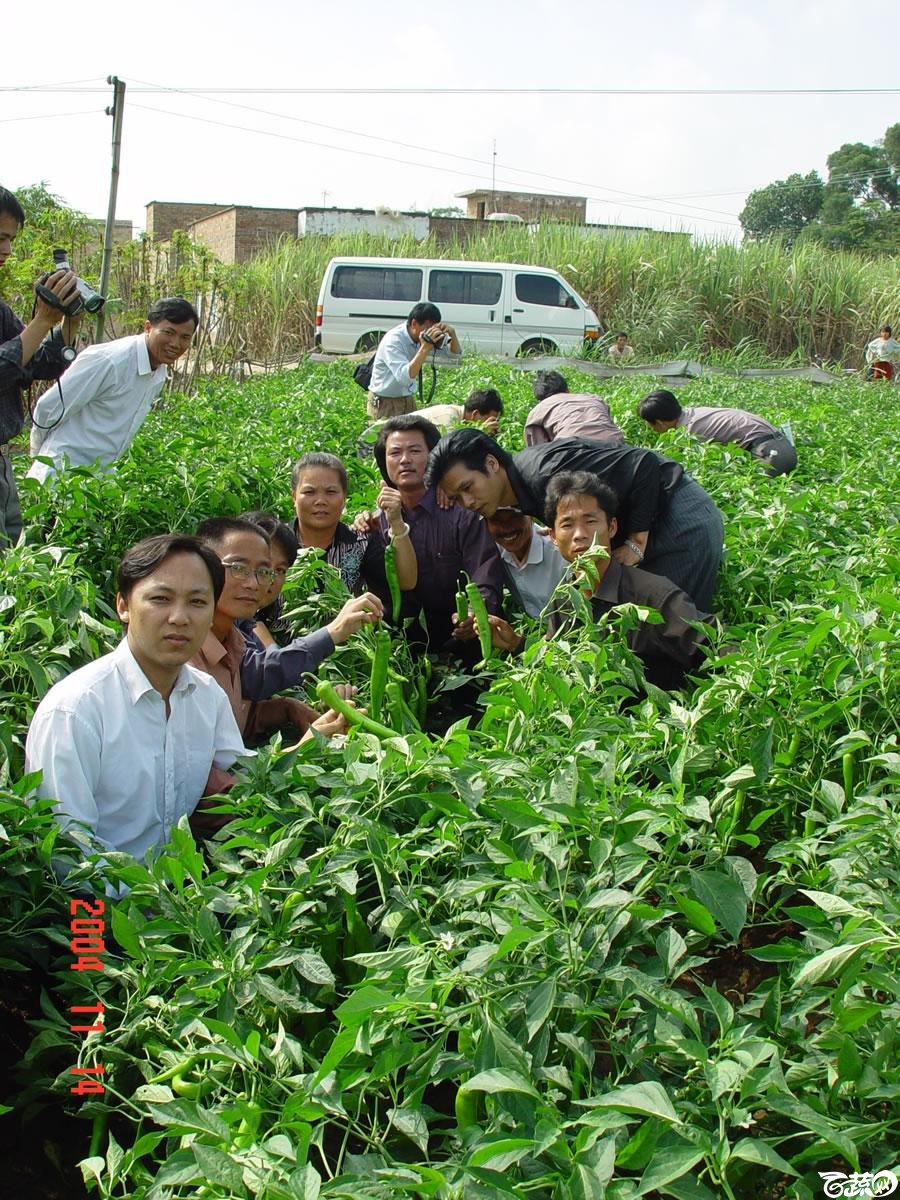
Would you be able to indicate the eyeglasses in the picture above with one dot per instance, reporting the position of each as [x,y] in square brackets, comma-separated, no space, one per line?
[280,572]
[241,571]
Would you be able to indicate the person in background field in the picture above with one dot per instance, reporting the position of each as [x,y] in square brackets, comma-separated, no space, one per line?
[730,426]
[447,541]
[531,561]
[250,674]
[130,743]
[108,392]
[581,512]
[319,486]
[483,408]
[620,352]
[560,413]
[400,357]
[668,524]
[269,625]
[42,349]
[883,355]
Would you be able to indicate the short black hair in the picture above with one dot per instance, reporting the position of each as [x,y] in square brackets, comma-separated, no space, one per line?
[280,535]
[214,530]
[174,309]
[485,400]
[621,333]
[403,423]
[884,329]
[424,312]
[659,406]
[9,204]
[319,458]
[469,446]
[548,383]
[578,483]
[143,559]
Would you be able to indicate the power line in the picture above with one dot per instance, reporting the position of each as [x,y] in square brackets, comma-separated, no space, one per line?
[476,91]
[84,112]
[403,162]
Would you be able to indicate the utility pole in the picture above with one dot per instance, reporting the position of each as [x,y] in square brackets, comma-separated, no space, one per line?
[116,112]
[494,178]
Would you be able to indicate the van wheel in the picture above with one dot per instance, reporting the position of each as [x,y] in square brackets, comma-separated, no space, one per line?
[536,348]
[368,341]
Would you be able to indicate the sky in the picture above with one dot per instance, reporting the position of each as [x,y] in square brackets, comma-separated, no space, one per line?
[670,162]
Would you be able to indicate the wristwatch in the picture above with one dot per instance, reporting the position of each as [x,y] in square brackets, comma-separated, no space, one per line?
[68,354]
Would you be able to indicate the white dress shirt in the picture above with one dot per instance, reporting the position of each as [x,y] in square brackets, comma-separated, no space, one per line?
[102,403]
[883,350]
[112,760]
[535,580]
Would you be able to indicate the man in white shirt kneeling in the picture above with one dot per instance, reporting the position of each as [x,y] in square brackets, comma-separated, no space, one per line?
[95,411]
[128,744]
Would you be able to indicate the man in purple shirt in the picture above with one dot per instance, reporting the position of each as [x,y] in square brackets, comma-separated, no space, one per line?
[730,426]
[560,413]
[447,541]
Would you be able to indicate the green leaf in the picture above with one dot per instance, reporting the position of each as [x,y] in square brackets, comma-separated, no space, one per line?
[499,1079]
[189,1118]
[697,915]
[500,1154]
[218,1167]
[312,966]
[305,1183]
[411,1122]
[669,1163]
[649,1098]
[722,896]
[755,1150]
[830,962]
[540,1005]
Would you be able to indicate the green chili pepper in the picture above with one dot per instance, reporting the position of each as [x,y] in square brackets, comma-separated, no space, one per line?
[466,1108]
[325,691]
[847,765]
[462,605]
[479,608]
[390,570]
[422,696]
[379,675]
[792,749]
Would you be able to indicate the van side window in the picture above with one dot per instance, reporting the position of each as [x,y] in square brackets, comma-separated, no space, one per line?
[377,283]
[464,287]
[543,289]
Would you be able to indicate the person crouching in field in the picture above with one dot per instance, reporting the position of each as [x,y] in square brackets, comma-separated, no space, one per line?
[729,426]
[581,514]
[249,673]
[130,743]
[883,355]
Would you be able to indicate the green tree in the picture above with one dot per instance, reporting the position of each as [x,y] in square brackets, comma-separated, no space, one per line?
[452,211]
[48,223]
[783,208]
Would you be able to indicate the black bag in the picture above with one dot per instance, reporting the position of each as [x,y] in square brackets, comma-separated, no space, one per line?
[363,373]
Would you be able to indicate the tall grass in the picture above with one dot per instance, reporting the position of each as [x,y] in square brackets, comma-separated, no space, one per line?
[676,297]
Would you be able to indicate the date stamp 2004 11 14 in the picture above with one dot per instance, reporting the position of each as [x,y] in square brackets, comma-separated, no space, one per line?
[87,944]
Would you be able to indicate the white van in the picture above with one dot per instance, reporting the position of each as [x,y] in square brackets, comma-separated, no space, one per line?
[496,308]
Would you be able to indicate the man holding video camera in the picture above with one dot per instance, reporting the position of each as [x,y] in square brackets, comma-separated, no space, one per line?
[37,350]
[400,357]
[95,412]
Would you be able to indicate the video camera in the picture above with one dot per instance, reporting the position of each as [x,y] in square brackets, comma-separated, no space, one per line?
[85,298]
[439,339]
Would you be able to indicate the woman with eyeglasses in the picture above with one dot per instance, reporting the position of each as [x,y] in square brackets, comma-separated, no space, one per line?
[269,624]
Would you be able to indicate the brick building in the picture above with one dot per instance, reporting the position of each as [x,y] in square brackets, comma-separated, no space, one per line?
[164,217]
[530,206]
[240,232]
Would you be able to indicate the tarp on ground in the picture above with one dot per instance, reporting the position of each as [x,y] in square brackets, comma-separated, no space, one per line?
[675,373]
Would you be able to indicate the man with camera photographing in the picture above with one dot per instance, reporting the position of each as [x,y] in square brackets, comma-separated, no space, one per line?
[105,398]
[27,352]
[400,357]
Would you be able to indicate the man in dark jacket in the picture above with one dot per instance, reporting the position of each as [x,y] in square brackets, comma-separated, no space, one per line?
[27,352]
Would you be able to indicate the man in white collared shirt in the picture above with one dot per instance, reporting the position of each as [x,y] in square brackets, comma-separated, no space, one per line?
[128,744]
[95,411]
[400,357]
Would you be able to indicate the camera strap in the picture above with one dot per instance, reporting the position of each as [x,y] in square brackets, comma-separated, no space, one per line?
[50,298]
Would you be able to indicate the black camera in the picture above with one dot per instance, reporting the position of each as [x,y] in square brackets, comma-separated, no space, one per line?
[85,297]
[439,339]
